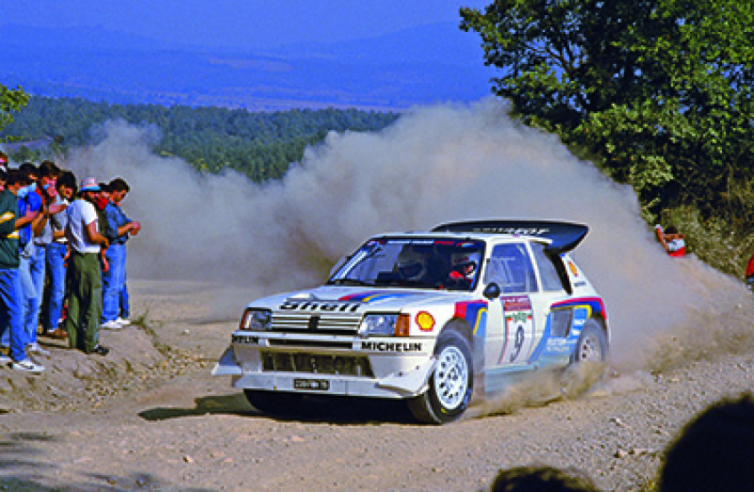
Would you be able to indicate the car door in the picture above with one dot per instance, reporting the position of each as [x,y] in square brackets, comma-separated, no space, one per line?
[513,330]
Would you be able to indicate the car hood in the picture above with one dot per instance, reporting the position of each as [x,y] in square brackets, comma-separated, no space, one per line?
[355,299]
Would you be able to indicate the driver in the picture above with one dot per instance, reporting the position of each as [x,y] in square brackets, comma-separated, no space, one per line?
[463,267]
[411,265]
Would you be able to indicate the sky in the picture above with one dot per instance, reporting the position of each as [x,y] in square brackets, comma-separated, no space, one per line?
[238,23]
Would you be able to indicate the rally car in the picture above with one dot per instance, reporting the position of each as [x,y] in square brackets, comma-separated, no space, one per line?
[432,318]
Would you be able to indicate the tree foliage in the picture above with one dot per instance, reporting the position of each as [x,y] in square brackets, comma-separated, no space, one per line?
[260,145]
[11,100]
[659,91]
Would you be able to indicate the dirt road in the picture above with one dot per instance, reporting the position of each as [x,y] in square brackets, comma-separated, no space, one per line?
[150,417]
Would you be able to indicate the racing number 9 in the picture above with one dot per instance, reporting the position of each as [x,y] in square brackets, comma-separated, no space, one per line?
[518,343]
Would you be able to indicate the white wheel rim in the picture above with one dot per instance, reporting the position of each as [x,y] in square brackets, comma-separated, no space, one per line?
[589,349]
[451,377]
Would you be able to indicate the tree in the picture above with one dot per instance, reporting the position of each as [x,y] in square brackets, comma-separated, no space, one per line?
[660,91]
[11,100]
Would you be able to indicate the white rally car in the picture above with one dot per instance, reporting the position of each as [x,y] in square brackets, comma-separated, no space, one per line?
[429,317]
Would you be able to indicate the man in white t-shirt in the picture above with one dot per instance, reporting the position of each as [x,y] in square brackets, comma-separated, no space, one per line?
[83,277]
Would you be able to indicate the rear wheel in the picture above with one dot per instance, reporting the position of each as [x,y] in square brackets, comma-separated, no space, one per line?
[451,383]
[274,403]
[592,344]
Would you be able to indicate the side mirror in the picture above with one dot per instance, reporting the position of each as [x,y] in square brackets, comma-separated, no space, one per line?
[492,291]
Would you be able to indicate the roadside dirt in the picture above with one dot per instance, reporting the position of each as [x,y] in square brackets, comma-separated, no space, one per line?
[149,416]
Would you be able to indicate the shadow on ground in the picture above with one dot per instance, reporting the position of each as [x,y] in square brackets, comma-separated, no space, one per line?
[23,467]
[314,408]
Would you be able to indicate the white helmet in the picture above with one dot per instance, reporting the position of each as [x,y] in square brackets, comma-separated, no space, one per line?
[465,258]
[410,264]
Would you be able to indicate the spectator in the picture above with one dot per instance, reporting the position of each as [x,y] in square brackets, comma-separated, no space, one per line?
[55,259]
[84,277]
[42,236]
[672,241]
[116,309]
[713,451]
[11,297]
[28,200]
[541,479]
[3,162]
[749,274]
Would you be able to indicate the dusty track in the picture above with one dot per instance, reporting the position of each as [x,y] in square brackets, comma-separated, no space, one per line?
[152,418]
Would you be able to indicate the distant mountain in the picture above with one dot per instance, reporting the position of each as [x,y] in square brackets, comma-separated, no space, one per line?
[423,65]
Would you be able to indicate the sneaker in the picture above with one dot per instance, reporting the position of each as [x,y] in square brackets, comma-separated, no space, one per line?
[111,325]
[5,360]
[27,365]
[123,321]
[99,350]
[36,349]
[57,334]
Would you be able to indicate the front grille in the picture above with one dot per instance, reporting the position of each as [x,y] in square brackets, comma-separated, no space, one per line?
[334,324]
[342,365]
[310,343]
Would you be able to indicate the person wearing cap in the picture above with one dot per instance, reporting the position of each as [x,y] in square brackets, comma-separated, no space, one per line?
[84,277]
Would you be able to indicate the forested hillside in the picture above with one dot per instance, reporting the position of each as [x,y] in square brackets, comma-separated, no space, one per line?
[260,145]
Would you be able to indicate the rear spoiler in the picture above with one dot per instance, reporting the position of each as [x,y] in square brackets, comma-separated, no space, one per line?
[565,236]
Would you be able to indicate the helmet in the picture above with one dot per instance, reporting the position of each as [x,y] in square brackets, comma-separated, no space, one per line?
[463,259]
[411,265]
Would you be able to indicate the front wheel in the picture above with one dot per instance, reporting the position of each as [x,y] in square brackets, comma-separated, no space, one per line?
[451,383]
[274,403]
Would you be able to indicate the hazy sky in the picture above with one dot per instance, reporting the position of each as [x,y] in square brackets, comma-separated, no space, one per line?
[237,23]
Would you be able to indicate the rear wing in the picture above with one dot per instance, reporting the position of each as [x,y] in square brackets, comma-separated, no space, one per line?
[565,236]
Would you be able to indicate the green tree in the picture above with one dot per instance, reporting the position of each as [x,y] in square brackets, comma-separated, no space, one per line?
[11,100]
[659,91]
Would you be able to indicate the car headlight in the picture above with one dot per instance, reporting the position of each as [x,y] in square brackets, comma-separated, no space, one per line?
[256,320]
[385,324]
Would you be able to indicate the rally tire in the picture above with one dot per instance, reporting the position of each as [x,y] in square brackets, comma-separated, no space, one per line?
[451,383]
[592,344]
[273,402]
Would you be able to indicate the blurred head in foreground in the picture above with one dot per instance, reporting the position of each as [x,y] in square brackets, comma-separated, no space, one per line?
[541,479]
[714,451]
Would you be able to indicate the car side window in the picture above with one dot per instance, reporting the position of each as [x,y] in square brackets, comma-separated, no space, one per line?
[548,275]
[510,267]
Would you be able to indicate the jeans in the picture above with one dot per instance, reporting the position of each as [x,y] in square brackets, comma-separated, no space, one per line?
[28,291]
[56,285]
[114,290]
[34,301]
[11,315]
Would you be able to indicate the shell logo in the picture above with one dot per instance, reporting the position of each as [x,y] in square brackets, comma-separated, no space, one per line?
[425,321]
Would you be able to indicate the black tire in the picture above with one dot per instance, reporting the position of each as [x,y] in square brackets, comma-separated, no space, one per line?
[273,402]
[451,383]
[592,344]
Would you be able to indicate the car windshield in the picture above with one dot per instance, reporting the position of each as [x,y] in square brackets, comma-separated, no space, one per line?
[414,263]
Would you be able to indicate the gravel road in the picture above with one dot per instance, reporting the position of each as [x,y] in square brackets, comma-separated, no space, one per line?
[150,417]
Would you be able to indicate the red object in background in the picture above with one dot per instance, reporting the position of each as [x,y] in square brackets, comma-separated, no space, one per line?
[750,267]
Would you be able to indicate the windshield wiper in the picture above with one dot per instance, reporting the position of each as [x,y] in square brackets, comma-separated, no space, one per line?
[349,281]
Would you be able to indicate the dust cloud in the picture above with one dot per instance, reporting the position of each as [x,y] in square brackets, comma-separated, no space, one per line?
[434,164]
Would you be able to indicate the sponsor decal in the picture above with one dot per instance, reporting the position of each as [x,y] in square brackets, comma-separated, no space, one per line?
[327,306]
[372,296]
[573,269]
[519,327]
[392,346]
[516,231]
[425,321]
[475,313]
[245,339]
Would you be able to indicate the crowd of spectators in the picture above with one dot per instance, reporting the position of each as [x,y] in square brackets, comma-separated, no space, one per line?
[62,260]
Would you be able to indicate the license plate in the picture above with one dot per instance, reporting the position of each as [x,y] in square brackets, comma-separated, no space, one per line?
[311,384]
